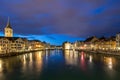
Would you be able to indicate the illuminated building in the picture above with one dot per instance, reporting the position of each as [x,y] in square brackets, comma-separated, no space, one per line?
[90,43]
[11,44]
[94,43]
[8,31]
[118,41]
[8,43]
[67,46]
[35,45]
[107,43]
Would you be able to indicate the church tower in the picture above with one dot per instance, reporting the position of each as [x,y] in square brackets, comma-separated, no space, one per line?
[8,31]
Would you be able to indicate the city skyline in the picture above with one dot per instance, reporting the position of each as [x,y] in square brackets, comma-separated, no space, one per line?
[59,39]
[62,20]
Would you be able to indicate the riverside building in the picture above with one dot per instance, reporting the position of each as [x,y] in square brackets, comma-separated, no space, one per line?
[118,41]
[9,43]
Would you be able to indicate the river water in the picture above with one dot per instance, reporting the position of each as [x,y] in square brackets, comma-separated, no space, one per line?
[60,65]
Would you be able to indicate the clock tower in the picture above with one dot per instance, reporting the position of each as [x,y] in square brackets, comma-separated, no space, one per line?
[8,31]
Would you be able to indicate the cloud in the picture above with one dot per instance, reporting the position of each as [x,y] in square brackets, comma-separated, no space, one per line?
[76,18]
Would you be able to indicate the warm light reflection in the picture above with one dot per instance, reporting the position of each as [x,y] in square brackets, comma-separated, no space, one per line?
[71,57]
[24,59]
[109,62]
[1,66]
[39,60]
[32,64]
[110,65]
[90,59]
[24,62]
[31,57]
[27,61]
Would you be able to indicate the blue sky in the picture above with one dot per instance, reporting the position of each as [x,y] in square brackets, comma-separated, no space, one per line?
[56,21]
[54,39]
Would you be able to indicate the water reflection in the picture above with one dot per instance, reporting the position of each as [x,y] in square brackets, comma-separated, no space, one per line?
[1,69]
[39,61]
[31,59]
[0,65]
[82,61]
[71,57]
[90,58]
[87,61]
[24,63]
[109,61]
[33,64]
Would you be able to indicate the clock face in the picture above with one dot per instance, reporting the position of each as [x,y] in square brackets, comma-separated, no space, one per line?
[9,31]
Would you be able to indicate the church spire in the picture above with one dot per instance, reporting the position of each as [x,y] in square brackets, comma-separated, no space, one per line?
[8,24]
[8,31]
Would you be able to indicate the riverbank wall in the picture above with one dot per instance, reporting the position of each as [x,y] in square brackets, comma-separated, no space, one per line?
[2,55]
[114,53]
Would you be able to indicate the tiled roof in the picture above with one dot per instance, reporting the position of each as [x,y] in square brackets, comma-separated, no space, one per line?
[12,38]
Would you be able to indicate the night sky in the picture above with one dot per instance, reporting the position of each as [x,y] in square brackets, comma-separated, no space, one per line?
[56,21]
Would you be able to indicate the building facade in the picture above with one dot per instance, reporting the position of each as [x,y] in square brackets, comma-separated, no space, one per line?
[9,44]
[8,31]
[67,46]
[93,43]
[118,41]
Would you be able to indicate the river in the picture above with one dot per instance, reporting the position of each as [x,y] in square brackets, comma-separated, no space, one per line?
[60,65]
